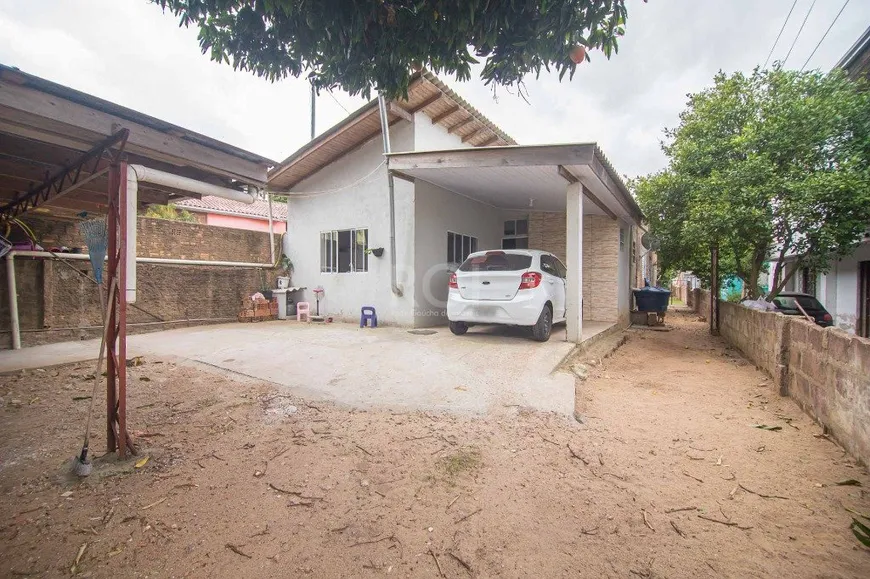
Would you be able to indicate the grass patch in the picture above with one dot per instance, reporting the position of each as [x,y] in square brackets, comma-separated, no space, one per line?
[462,461]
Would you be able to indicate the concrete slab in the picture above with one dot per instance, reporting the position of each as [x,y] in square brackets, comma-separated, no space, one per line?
[489,368]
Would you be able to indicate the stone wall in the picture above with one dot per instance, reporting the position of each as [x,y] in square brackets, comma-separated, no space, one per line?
[825,370]
[57,304]
[547,231]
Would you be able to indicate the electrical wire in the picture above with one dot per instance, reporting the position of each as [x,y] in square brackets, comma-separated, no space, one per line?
[329,92]
[305,194]
[801,29]
[825,35]
[775,42]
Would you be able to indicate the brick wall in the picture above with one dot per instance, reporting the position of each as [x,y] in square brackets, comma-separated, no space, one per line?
[825,370]
[52,296]
[547,231]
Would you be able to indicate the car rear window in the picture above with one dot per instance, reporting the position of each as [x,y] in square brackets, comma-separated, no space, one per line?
[788,302]
[497,261]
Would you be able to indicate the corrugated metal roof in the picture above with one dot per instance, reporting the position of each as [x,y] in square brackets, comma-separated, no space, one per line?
[99,104]
[258,209]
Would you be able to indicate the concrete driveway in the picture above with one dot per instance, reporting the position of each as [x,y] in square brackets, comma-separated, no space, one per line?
[488,369]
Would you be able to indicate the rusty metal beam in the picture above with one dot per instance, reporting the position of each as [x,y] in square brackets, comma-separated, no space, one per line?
[67,178]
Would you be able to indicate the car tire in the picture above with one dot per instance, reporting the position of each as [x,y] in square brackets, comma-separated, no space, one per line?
[458,328]
[541,330]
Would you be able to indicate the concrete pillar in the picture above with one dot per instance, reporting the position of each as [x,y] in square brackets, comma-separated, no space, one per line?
[574,257]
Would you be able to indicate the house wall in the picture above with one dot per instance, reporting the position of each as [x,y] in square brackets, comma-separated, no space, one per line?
[825,370]
[431,137]
[624,275]
[347,194]
[438,211]
[842,289]
[251,224]
[53,297]
[602,267]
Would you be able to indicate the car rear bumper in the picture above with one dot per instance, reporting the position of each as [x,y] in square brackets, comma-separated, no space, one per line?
[522,310]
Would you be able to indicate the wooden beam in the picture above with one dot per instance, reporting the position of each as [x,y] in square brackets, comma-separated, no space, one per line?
[145,140]
[473,134]
[403,176]
[487,142]
[441,116]
[431,100]
[571,178]
[400,112]
[460,124]
[534,155]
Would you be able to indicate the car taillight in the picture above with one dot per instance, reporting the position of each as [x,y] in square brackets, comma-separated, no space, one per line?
[530,280]
[827,318]
[452,283]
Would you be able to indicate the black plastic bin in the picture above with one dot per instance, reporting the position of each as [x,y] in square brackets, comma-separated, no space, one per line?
[652,299]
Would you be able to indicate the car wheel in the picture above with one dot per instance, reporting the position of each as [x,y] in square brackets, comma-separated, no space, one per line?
[541,330]
[458,328]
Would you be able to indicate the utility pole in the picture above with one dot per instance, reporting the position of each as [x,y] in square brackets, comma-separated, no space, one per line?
[313,102]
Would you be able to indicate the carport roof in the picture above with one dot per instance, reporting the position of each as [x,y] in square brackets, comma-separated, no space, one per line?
[523,177]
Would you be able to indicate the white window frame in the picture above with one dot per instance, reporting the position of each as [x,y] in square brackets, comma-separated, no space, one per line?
[473,244]
[332,236]
[516,235]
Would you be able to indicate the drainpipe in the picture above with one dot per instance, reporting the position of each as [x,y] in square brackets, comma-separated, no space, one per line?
[271,229]
[13,301]
[385,132]
[140,173]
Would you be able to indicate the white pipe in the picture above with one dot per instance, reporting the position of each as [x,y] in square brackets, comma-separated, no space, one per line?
[271,229]
[137,173]
[158,260]
[149,175]
[385,132]
[13,301]
[132,228]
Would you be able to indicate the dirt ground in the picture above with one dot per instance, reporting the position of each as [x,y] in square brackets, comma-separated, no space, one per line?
[667,477]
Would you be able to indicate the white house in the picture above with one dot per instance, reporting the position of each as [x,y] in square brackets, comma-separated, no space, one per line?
[460,184]
[845,289]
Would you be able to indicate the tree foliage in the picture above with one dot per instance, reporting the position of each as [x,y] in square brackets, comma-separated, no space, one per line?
[772,164]
[358,45]
[170,211]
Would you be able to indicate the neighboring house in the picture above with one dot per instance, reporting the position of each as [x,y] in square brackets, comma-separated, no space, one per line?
[845,289]
[461,184]
[228,213]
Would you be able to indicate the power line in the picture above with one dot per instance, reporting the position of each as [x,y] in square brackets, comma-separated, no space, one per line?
[329,92]
[798,35]
[775,42]
[825,35]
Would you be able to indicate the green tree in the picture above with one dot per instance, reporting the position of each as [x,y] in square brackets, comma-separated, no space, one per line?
[358,45]
[767,165]
[169,211]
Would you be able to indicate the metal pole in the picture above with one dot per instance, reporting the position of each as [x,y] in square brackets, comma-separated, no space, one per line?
[313,105]
[385,133]
[122,312]
[13,301]
[112,333]
[271,229]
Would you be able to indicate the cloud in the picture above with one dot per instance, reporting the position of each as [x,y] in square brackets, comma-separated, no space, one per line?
[131,53]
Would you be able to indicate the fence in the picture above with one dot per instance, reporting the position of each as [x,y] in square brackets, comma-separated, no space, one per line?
[825,370]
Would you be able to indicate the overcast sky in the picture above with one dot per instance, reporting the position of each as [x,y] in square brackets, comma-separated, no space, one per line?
[131,53]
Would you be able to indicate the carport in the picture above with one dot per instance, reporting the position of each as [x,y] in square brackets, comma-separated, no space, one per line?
[69,156]
[574,178]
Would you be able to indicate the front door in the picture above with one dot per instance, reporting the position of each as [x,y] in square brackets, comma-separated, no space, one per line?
[864,299]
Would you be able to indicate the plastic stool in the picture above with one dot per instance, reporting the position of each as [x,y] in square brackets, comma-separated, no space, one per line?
[368,313]
[303,309]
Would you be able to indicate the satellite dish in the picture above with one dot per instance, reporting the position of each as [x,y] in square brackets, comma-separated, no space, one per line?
[650,242]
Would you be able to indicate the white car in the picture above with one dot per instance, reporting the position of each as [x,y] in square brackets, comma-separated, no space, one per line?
[518,287]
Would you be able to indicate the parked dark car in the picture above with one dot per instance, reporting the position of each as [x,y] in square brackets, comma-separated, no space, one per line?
[786,303]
